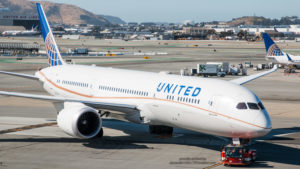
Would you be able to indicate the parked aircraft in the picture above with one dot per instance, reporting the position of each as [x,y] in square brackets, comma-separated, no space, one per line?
[31,32]
[275,54]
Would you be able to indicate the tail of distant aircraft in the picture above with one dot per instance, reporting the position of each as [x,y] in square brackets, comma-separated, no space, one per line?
[54,57]
[271,48]
[34,28]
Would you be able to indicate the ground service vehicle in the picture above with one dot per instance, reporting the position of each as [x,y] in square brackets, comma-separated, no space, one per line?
[238,155]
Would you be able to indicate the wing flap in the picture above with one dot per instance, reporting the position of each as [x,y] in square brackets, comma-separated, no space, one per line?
[247,79]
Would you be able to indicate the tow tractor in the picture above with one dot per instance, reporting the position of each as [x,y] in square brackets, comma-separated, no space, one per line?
[237,154]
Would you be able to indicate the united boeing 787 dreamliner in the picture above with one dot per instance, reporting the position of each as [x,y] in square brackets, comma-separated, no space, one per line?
[83,95]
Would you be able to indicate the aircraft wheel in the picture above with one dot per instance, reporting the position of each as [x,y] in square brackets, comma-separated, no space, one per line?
[152,129]
[156,129]
[100,134]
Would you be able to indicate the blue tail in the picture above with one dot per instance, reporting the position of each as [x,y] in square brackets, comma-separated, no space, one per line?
[54,57]
[271,48]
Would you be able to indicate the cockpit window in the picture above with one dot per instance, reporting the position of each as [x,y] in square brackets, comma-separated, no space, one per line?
[241,105]
[253,106]
[261,105]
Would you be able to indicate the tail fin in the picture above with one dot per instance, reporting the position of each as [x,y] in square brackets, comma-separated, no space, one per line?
[271,48]
[54,57]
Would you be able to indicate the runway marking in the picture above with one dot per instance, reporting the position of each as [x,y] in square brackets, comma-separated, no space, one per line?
[214,165]
[27,128]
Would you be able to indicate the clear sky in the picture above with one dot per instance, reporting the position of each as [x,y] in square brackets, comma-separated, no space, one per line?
[181,10]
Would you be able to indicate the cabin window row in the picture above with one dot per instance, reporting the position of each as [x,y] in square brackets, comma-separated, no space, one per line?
[73,83]
[170,97]
[121,90]
[184,99]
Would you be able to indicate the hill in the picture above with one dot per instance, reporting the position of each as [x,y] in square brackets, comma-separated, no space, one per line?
[247,20]
[56,13]
[113,19]
[259,20]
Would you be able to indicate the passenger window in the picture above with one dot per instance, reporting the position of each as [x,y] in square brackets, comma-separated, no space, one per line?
[241,105]
[253,106]
[261,106]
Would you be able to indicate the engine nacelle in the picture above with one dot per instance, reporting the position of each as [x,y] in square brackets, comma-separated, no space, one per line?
[79,120]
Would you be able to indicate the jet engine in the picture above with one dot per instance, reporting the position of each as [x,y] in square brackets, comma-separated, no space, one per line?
[79,120]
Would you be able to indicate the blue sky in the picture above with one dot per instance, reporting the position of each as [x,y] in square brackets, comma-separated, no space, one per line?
[179,11]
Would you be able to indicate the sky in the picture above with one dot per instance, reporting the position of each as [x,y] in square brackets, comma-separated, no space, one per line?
[178,11]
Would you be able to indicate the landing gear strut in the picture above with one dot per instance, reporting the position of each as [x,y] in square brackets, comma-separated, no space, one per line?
[160,130]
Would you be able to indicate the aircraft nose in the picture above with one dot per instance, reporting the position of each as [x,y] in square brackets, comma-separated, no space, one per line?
[263,121]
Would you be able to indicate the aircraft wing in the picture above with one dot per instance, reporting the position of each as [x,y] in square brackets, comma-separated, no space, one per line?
[92,103]
[20,75]
[247,79]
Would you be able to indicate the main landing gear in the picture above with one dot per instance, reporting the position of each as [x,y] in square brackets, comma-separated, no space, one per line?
[100,134]
[160,130]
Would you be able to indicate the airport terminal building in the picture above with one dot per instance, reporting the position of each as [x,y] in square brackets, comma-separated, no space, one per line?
[27,21]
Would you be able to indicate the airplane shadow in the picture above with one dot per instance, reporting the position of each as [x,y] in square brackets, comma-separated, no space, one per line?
[136,137]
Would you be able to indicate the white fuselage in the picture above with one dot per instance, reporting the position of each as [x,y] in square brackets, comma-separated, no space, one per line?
[198,104]
[283,59]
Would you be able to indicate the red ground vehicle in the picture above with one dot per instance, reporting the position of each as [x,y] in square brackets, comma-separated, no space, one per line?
[238,155]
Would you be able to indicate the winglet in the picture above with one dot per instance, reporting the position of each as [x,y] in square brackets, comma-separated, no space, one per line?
[271,48]
[54,57]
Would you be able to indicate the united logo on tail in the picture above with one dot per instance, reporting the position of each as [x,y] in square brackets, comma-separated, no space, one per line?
[271,48]
[53,54]
[274,50]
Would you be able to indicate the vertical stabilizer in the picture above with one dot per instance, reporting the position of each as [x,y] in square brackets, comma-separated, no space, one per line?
[271,48]
[53,54]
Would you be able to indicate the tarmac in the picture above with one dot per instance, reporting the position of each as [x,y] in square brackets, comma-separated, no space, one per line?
[30,138]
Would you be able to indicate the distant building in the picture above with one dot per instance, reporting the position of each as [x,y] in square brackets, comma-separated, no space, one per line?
[27,21]
[232,29]
[295,29]
[148,24]
[195,30]
[15,28]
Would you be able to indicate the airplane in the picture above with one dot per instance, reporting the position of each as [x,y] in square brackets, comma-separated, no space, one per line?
[84,95]
[275,54]
[31,32]
[11,33]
